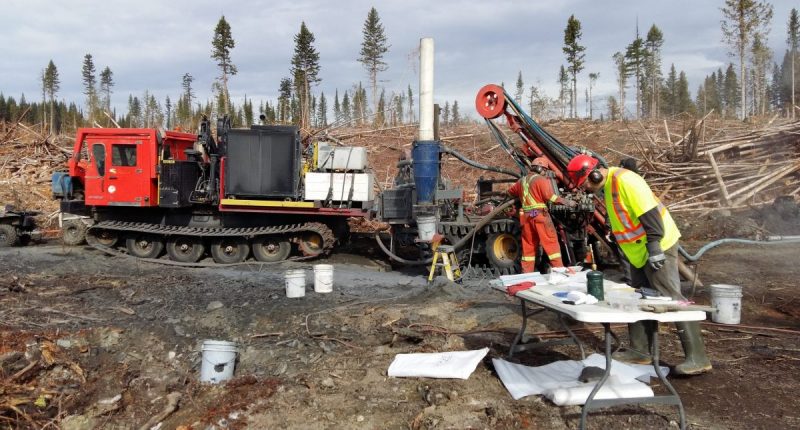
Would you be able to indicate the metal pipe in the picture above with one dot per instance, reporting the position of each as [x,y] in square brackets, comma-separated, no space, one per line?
[425,89]
[477,165]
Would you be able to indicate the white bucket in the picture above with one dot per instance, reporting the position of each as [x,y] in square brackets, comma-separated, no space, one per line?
[219,359]
[323,278]
[427,228]
[727,299]
[295,283]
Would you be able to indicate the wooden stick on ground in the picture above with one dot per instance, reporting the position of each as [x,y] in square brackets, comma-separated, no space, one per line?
[725,198]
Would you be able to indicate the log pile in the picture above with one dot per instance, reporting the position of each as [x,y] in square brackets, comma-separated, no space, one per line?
[730,168]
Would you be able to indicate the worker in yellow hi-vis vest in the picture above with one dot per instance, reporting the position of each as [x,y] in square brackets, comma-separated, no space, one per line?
[648,237]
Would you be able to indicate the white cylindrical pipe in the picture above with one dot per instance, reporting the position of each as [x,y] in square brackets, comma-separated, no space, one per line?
[425,89]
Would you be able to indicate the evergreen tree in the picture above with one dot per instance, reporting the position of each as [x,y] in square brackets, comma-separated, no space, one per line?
[652,72]
[520,89]
[373,48]
[346,109]
[742,21]
[575,57]
[52,84]
[89,86]
[455,114]
[684,99]
[337,107]
[621,70]
[305,70]
[635,55]
[776,101]
[247,112]
[563,82]
[411,118]
[380,113]
[284,100]
[168,107]
[670,92]
[731,95]
[322,111]
[613,108]
[399,108]
[592,80]
[446,114]
[221,45]
[793,39]
[106,83]
[760,55]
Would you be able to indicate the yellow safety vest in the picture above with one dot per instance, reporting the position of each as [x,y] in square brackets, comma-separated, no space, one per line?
[627,196]
[528,202]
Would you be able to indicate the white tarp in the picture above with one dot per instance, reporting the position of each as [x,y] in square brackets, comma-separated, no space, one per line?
[559,380]
[455,364]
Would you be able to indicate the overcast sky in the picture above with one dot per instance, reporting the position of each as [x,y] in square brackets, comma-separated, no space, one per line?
[150,44]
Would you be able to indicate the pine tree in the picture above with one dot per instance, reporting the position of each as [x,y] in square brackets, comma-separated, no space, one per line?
[89,86]
[446,114]
[731,95]
[411,117]
[635,55]
[760,56]
[621,69]
[305,71]
[613,108]
[106,83]
[684,99]
[337,107]
[322,111]
[563,82]
[575,57]
[520,89]
[247,112]
[221,46]
[52,84]
[652,45]
[168,107]
[380,112]
[346,109]
[670,97]
[373,48]
[592,80]
[743,20]
[793,39]
[456,115]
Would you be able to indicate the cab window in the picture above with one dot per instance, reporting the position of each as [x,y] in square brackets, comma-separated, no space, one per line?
[123,155]
[99,155]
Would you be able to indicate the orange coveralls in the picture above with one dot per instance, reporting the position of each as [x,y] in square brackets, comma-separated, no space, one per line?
[534,191]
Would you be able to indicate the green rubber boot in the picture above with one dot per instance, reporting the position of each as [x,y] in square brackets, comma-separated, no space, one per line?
[692,341]
[637,352]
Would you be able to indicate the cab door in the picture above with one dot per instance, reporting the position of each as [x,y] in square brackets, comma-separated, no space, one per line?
[127,181]
[94,185]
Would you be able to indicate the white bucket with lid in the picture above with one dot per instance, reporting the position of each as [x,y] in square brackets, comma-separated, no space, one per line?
[295,283]
[426,225]
[219,359]
[323,278]
[727,299]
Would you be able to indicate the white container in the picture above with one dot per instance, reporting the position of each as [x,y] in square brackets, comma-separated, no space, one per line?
[295,283]
[426,225]
[219,359]
[323,278]
[318,186]
[341,157]
[727,299]
[627,301]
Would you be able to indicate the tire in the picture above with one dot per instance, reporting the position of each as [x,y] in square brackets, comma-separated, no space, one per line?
[185,249]
[108,238]
[25,239]
[310,244]
[269,249]
[503,251]
[144,245]
[8,235]
[227,250]
[73,232]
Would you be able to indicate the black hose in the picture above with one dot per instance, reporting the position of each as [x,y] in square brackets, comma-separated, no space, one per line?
[477,165]
[485,220]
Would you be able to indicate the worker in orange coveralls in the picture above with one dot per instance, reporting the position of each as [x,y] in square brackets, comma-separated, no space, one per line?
[535,191]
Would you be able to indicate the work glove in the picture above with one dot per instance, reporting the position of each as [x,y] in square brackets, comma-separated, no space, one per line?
[656,258]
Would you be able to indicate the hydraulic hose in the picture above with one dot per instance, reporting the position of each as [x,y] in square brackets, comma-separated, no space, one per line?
[771,240]
[485,220]
[477,165]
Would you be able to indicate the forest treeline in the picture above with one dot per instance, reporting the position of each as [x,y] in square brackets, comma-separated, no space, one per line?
[754,83]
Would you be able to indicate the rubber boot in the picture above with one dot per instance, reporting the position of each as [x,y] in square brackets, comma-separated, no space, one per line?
[692,341]
[637,352]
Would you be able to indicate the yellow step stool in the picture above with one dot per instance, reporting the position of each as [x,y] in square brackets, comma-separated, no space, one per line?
[449,262]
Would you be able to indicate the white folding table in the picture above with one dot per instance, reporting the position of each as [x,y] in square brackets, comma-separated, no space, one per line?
[601,313]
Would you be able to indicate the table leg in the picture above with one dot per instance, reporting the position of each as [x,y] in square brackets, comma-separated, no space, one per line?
[521,332]
[587,405]
[662,378]
[571,334]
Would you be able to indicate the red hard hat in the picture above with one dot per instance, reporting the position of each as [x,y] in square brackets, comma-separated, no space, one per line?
[579,168]
[539,161]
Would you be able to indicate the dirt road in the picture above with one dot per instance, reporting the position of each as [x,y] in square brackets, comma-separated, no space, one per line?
[109,339]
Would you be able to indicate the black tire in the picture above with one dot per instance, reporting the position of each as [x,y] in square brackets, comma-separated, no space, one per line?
[503,251]
[227,250]
[311,244]
[186,249]
[8,235]
[108,238]
[269,249]
[142,245]
[73,232]
[25,239]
